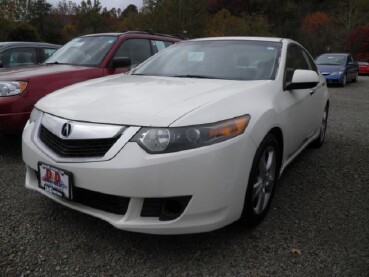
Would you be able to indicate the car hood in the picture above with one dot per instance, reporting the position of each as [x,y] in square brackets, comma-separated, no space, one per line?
[144,100]
[28,72]
[330,68]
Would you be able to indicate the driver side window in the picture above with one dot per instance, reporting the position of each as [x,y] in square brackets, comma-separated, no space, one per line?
[137,50]
[294,60]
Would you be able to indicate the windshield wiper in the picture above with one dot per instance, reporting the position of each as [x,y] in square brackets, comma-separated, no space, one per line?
[328,64]
[56,62]
[196,76]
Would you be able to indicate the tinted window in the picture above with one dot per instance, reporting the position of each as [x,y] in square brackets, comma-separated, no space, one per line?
[158,45]
[46,53]
[310,61]
[18,57]
[294,60]
[137,50]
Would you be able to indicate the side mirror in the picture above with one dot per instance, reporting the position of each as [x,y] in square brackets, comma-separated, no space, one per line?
[303,79]
[120,62]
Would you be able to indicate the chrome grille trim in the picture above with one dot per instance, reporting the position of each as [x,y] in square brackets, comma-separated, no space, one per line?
[83,130]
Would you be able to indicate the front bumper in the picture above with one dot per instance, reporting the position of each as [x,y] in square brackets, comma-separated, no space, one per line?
[334,79]
[215,178]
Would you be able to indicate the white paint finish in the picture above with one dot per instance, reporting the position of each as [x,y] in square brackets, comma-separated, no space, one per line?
[216,176]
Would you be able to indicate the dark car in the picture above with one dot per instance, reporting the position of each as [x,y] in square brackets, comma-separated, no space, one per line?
[14,54]
[338,68]
[81,59]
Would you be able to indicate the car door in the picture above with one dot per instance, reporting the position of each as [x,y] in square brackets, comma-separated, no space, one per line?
[297,105]
[351,68]
[316,101]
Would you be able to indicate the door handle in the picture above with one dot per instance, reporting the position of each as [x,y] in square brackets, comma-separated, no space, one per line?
[312,91]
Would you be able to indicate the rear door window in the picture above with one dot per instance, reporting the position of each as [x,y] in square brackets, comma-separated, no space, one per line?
[19,57]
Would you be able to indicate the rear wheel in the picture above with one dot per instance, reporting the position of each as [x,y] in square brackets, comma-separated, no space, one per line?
[261,183]
[355,79]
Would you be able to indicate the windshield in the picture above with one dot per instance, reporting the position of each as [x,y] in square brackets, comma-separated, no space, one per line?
[86,51]
[332,59]
[220,59]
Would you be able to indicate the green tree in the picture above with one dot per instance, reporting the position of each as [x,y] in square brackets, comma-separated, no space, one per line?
[88,19]
[37,13]
[130,9]
[176,16]
[223,23]
[23,32]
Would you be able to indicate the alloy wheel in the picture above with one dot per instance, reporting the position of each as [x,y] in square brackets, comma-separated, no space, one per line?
[265,179]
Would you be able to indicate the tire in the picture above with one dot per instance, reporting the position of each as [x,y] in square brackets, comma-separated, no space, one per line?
[355,79]
[319,141]
[344,80]
[261,183]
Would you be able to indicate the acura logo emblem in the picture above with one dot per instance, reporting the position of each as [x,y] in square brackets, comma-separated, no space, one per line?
[66,130]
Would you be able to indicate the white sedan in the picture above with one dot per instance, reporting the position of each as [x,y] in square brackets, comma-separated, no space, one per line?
[191,140]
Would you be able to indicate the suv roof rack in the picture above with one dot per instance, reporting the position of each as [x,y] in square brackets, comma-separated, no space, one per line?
[151,32]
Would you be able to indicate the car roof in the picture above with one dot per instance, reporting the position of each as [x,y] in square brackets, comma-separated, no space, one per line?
[271,39]
[26,43]
[344,54]
[118,34]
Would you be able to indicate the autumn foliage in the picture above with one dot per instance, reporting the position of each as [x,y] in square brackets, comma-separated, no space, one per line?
[358,43]
[317,30]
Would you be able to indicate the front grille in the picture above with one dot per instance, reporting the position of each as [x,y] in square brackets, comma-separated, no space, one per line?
[76,148]
[106,202]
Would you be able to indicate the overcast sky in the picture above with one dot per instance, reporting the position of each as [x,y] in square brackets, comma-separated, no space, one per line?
[109,4]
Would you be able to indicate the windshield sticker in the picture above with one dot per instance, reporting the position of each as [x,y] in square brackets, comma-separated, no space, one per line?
[196,56]
[78,44]
[271,48]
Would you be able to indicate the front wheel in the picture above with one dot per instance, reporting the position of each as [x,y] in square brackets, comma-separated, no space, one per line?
[344,80]
[319,141]
[261,183]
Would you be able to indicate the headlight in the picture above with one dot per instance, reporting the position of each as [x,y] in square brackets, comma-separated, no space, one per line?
[12,88]
[337,73]
[166,140]
[34,115]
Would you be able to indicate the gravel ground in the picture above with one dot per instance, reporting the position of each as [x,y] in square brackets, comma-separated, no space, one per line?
[318,224]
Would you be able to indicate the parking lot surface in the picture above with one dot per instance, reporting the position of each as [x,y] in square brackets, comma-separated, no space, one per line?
[318,224]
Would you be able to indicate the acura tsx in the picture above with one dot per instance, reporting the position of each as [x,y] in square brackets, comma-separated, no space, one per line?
[191,140]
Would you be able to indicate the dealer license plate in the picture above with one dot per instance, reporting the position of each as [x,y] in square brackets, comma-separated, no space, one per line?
[55,180]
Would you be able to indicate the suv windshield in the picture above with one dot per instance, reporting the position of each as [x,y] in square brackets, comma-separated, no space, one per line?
[216,59]
[332,59]
[86,51]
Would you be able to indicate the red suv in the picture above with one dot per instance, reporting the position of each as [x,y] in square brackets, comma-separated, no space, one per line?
[81,59]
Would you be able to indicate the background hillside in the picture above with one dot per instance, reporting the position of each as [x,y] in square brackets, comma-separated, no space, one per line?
[320,25]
